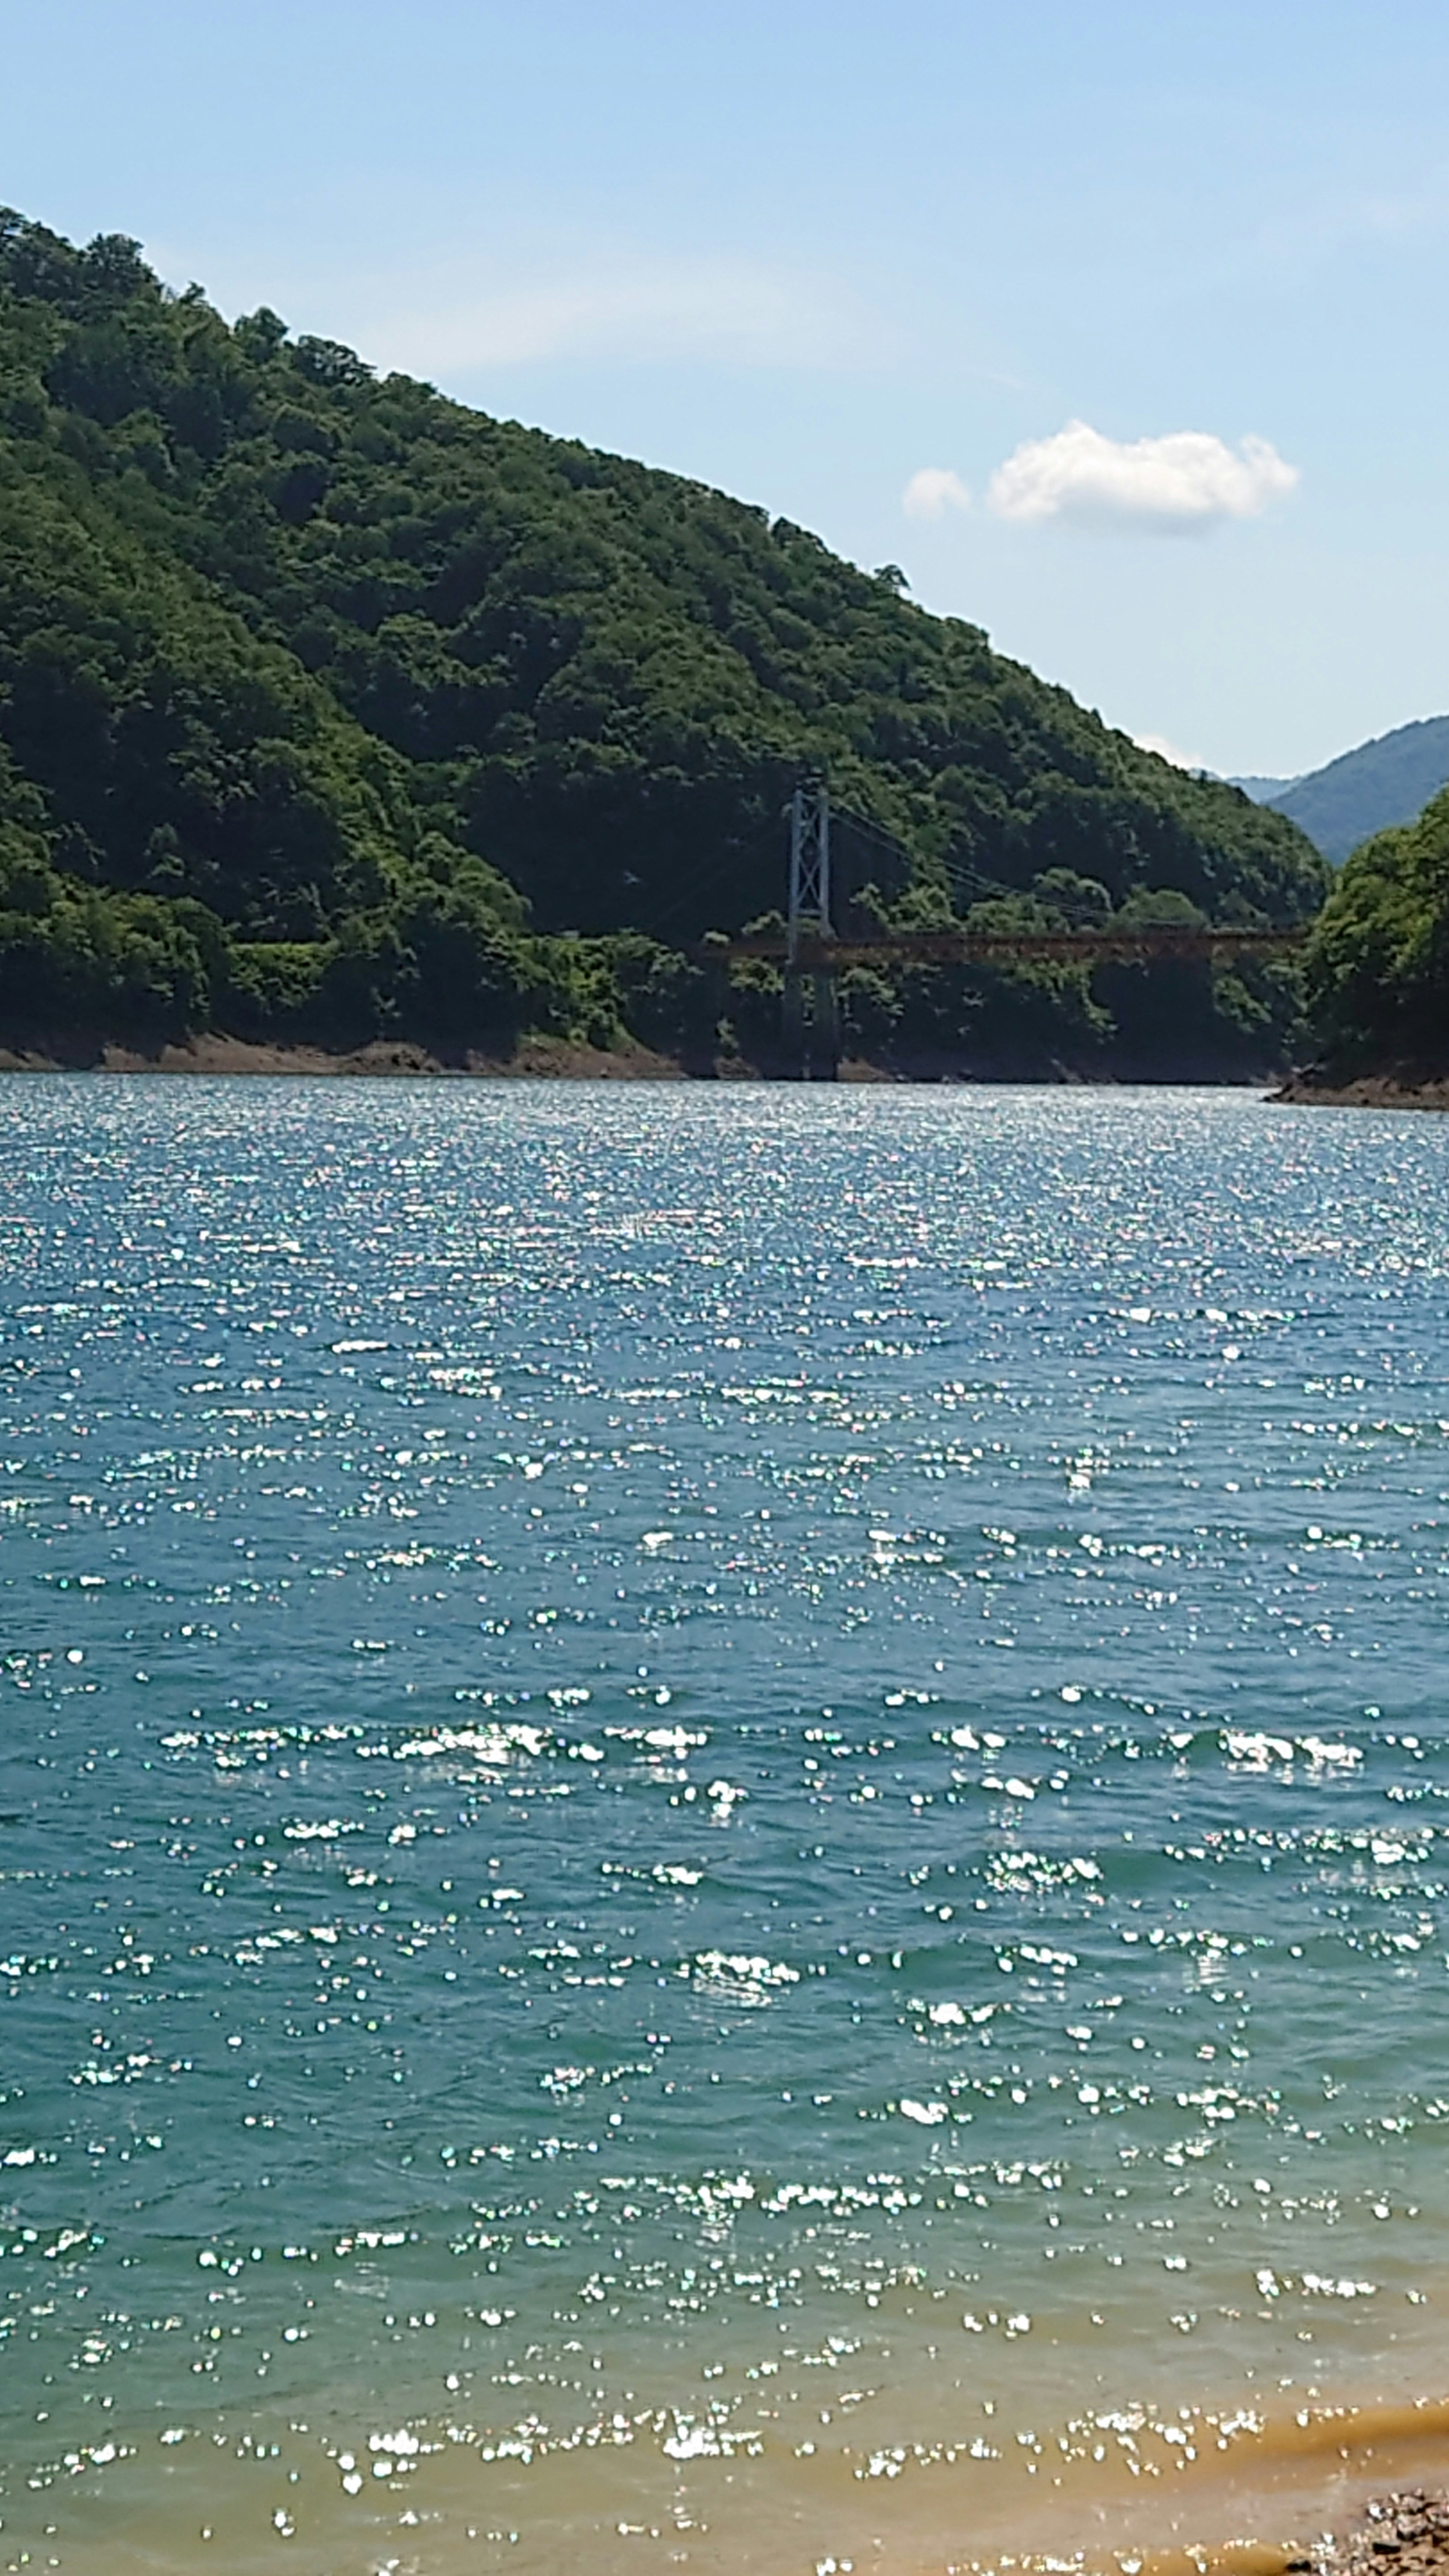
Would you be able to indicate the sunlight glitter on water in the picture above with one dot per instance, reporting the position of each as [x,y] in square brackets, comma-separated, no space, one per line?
[721,1821]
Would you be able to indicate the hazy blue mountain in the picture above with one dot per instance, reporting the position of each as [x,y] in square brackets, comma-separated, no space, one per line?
[1264,791]
[1389,780]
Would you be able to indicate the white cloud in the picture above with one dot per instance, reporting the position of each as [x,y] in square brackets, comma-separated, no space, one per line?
[1187,480]
[933,491]
[1166,750]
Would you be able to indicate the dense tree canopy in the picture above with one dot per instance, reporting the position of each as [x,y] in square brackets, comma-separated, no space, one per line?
[1378,968]
[329,707]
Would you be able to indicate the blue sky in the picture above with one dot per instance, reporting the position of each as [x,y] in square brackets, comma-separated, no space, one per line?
[815,253]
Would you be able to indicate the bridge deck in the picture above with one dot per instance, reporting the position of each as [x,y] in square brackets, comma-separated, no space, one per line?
[816,954]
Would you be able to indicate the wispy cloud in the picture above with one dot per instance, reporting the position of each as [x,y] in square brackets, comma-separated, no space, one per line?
[933,491]
[611,303]
[1186,481]
[1166,750]
[727,310]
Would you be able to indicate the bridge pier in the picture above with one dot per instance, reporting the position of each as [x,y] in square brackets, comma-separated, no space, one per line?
[810,1023]
[810,1002]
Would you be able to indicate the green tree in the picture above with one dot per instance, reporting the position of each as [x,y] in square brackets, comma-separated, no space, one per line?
[452,716]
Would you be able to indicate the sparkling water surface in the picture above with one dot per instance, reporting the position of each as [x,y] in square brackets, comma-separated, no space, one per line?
[721,1838]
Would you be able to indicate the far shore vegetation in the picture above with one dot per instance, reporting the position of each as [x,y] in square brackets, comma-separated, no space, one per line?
[334,715]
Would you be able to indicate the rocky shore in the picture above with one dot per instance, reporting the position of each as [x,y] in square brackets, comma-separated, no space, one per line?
[1405,2534]
[1396,1090]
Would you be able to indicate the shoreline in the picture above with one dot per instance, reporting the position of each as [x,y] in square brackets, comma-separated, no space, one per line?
[1406,2531]
[565,1059]
[216,1053]
[1398,1090]
[534,1059]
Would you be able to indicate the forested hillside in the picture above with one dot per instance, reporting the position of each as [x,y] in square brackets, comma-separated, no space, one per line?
[1378,968]
[330,709]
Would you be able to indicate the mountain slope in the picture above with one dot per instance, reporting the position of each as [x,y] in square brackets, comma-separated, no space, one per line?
[353,703]
[1379,784]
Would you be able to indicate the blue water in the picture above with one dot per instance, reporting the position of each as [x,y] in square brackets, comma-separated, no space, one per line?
[721,1837]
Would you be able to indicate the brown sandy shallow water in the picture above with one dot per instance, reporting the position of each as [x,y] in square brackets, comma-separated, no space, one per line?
[1342,2492]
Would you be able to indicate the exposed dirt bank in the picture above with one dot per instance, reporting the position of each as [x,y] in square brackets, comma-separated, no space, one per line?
[549,1058]
[1402,1090]
[218,1054]
[534,1058]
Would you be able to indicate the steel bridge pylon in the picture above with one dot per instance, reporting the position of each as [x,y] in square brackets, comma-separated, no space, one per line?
[810,1001]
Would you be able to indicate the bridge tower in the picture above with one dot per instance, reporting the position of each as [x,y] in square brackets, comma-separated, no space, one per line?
[811,1002]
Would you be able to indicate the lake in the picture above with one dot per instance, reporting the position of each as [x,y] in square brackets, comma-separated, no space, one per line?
[722,1838]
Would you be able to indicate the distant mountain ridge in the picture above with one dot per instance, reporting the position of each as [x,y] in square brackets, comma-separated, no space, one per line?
[1389,780]
[1264,790]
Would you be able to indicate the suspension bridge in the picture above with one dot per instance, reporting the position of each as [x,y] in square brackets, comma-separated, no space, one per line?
[814,947]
